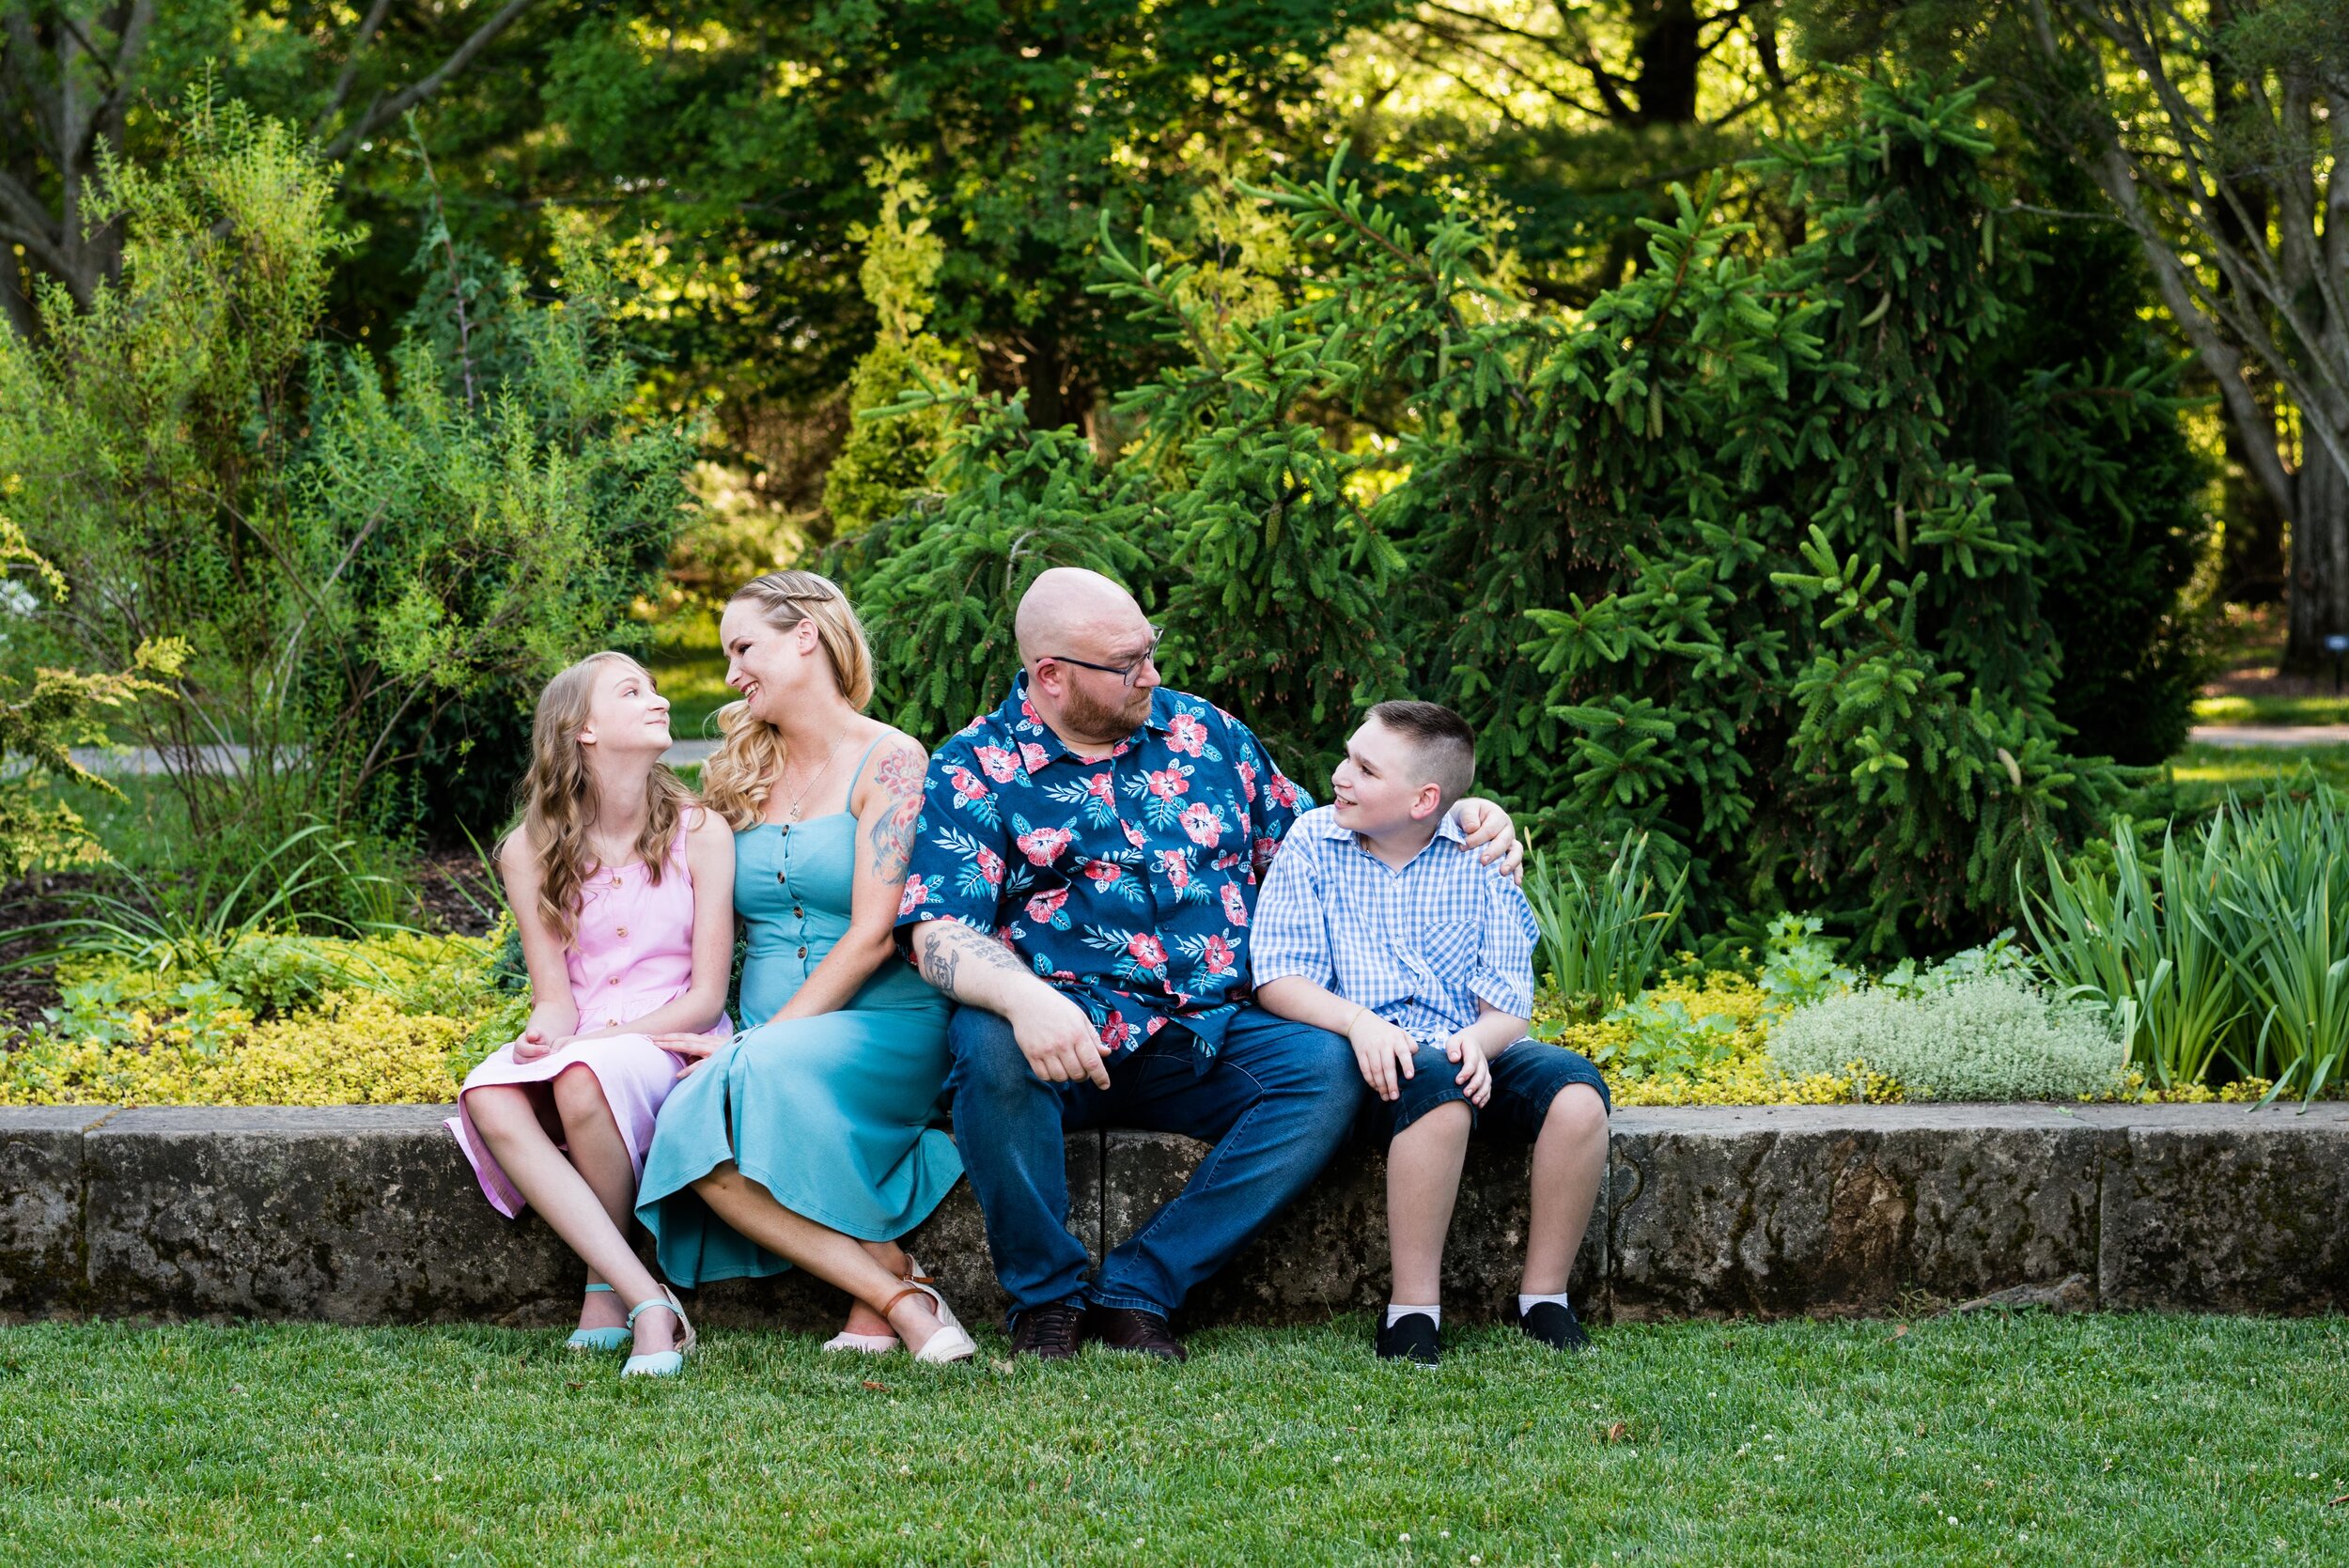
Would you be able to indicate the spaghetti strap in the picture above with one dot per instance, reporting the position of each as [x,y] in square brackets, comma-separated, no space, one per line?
[860,766]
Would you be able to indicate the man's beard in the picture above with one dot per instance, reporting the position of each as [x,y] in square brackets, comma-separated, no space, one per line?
[1101,720]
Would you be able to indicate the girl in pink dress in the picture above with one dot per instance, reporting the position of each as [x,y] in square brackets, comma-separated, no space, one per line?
[623,888]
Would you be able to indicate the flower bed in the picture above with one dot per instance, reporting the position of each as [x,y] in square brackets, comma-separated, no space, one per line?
[282,1020]
[305,1021]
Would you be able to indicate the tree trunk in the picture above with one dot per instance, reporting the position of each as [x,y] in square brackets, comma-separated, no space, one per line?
[2252,562]
[2319,597]
[1670,52]
[16,303]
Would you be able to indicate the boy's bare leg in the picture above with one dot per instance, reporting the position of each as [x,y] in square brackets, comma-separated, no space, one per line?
[1423,1184]
[1569,1158]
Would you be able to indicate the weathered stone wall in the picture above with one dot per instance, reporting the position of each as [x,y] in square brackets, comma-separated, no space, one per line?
[369,1215]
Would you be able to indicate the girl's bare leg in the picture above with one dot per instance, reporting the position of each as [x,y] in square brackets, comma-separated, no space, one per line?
[600,1155]
[509,1124]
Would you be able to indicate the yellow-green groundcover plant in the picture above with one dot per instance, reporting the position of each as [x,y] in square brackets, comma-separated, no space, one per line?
[391,1020]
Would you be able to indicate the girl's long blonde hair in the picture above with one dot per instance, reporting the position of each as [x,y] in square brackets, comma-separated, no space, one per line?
[559,804]
[736,781]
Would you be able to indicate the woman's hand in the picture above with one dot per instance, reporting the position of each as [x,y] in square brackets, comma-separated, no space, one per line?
[699,1046]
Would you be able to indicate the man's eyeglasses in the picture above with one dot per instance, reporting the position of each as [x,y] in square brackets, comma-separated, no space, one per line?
[1127,673]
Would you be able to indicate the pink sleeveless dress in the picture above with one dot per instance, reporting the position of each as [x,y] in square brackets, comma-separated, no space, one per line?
[634,953]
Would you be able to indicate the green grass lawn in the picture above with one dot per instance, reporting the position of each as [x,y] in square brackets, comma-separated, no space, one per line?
[2203,775]
[1981,1440]
[2272,711]
[691,673]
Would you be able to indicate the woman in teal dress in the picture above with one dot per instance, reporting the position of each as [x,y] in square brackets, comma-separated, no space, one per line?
[806,1141]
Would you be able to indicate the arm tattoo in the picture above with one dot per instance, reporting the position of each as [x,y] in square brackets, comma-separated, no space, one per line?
[899,776]
[949,943]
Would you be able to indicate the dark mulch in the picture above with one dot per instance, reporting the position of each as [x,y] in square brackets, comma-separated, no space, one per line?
[459,894]
[24,906]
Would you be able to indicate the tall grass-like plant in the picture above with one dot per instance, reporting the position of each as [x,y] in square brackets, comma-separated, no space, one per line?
[2234,941]
[2146,945]
[198,928]
[1602,941]
[2285,911]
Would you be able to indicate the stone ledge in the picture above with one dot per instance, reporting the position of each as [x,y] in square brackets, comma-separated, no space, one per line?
[368,1214]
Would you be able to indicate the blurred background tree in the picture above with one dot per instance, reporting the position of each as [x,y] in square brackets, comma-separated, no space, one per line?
[799,213]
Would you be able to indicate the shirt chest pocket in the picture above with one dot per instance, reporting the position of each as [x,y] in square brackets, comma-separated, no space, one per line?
[1449,948]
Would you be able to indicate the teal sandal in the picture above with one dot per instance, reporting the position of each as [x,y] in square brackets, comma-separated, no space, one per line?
[661,1363]
[604,1340]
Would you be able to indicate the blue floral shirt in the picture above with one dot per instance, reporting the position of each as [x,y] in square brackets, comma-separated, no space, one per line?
[1125,882]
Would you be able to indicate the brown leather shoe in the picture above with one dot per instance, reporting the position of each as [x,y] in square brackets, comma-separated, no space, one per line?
[1132,1328]
[1049,1333]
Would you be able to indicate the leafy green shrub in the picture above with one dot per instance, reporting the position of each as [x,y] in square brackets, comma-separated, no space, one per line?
[358,554]
[397,1018]
[1989,1035]
[1798,962]
[43,714]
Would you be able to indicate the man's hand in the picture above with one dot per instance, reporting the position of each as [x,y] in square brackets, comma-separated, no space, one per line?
[1488,830]
[1382,1050]
[1059,1041]
[1476,1077]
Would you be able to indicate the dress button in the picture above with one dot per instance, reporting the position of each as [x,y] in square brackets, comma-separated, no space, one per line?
[797,911]
[611,1023]
[615,980]
[803,952]
[623,931]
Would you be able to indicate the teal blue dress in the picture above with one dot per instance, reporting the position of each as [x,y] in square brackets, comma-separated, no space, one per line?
[830,1113]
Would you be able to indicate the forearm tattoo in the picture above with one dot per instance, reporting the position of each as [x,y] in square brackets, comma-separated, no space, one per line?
[899,776]
[949,944]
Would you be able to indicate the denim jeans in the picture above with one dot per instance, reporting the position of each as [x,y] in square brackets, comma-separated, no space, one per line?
[1277,1102]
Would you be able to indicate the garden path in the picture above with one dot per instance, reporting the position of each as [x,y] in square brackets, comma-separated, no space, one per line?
[2269,735]
[144,761]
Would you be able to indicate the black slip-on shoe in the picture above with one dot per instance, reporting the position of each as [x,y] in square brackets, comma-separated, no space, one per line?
[1553,1324]
[1049,1333]
[1412,1337]
[1133,1328]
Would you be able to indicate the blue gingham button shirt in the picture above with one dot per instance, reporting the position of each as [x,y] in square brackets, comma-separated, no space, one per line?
[1420,946]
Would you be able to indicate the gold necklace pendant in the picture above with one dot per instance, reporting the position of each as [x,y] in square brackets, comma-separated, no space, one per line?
[791,813]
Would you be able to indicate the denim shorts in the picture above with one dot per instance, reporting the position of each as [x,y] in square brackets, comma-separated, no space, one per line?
[1526,1078]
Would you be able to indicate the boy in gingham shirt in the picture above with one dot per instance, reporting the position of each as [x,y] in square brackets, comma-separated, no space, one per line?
[1423,959]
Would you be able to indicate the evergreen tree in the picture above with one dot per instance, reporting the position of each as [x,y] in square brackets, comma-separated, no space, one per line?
[1723,556]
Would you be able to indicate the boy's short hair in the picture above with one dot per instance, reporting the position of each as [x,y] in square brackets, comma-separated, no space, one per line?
[1445,745]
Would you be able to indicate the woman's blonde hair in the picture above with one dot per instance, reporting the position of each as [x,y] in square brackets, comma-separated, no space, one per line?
[736,781]
[558,796]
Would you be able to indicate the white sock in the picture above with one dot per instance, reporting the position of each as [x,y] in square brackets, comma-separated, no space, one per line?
[1527,1303]
[1395,1313]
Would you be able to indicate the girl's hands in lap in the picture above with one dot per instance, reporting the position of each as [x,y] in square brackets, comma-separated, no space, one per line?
[537,1042]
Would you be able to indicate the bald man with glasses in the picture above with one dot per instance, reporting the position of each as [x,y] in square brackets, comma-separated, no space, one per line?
[1081,883]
